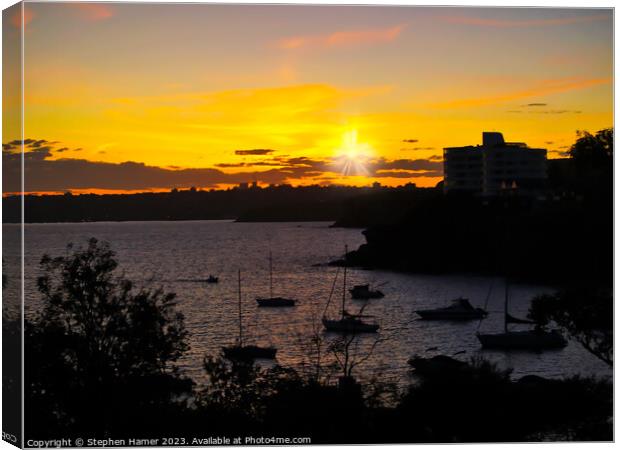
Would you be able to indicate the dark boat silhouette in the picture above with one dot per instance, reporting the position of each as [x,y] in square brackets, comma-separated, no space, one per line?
[350,323]
[363,292]
[536,339]
[249,352]
[460,309]
[241,352]
[271,301]
[347,323]
[275,302]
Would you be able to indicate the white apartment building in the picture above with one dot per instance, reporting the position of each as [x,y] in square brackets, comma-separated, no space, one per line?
[495,167]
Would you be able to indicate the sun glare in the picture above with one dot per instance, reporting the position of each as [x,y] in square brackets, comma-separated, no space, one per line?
[352,155]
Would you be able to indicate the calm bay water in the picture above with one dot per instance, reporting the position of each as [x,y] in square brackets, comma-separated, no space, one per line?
[175,255]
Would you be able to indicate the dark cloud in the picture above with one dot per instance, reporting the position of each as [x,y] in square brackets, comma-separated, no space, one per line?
[410,141]
[44,174]
[255,151]
[268,163]
[226,165]
[548,111]
[38,154]
[415,149]
[561,111]
[407,174]
[39,143]
[548,142]
[33,143]
[265,164]
[536,104]
[413,165]
[435,158]
[63,149]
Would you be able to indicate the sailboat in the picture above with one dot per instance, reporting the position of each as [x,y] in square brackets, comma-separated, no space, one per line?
[534,339]
[347,323]
[240,352]
[272,301]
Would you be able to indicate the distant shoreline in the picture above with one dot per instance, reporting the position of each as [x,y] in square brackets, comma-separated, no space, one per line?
[84,222]
[278,204]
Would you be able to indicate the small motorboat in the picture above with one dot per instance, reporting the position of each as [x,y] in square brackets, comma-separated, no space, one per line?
[536,340]
[460,309]
[275,302]
[363,292]
[213,279]
[349,323]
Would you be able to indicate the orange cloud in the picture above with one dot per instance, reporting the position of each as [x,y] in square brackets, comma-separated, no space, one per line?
[16,20]
[544,88]
[342,38]
[499,23]
[94,11]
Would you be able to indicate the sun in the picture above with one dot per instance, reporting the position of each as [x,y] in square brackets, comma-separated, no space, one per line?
[352,155]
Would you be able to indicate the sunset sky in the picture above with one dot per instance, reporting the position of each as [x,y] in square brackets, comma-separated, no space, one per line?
[148,97]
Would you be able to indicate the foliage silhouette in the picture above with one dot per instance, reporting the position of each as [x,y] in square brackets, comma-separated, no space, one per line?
[100,349]
[585,314]
[593,150]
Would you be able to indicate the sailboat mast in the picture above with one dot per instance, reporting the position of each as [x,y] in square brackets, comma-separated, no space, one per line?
[344,279]
[240,326]
[506,307]
[270,275]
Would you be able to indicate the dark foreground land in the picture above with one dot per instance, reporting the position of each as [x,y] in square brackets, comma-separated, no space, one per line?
[100,364]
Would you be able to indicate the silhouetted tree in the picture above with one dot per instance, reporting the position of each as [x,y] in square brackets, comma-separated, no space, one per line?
[478,402]
[585,314]
[100,350]
[593,150]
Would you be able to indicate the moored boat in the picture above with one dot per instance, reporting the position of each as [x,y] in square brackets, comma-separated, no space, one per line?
[275,301]
[363,292]
[347,323]
[241,352]
[536,339]
[271,301]
[460,309]
[249,352]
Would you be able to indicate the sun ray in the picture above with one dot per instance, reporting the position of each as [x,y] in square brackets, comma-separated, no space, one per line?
[353,156]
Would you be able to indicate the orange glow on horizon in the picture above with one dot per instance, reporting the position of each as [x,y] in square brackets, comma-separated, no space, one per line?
[307,95]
